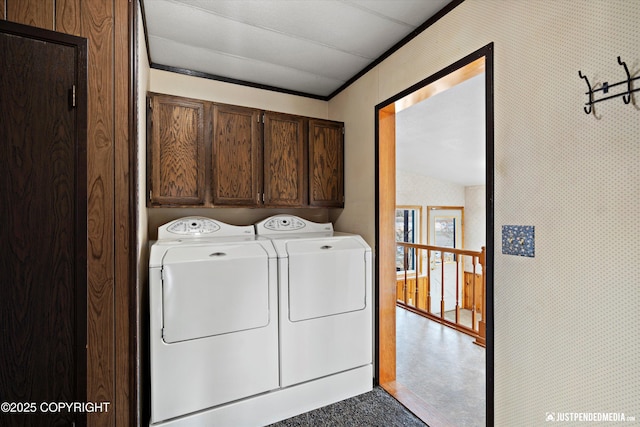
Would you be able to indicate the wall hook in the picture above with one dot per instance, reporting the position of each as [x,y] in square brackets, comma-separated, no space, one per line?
[590,93]
[626,98]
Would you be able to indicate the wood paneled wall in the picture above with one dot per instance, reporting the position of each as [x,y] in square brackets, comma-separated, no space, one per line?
[109,26]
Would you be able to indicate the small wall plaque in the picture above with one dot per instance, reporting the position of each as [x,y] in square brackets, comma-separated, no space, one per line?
[518,240]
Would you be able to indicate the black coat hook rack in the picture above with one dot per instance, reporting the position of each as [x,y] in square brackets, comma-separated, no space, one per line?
[626,95]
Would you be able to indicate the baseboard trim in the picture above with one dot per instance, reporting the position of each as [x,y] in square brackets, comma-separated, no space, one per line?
[421,409]
[281,404]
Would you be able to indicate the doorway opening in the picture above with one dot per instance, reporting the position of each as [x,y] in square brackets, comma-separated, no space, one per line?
[475,64]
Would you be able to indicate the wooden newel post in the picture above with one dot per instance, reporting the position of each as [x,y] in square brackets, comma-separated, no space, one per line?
[482,326]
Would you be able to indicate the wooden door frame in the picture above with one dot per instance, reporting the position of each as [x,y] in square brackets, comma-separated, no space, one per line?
[385,369]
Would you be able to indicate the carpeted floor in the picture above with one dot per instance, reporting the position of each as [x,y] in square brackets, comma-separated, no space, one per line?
[373,409]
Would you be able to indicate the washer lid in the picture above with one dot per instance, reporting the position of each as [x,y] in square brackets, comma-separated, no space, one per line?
[215,251]
[211,290]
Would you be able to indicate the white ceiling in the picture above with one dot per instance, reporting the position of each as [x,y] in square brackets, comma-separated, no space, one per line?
[444,136]
[314,47]
[308,46]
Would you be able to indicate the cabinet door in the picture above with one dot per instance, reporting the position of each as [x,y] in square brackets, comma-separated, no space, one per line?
[177,151]
[237,156]
[326,156]
[285,162]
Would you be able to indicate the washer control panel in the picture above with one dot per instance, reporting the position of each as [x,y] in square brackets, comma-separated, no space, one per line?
[197,226]
[193,226]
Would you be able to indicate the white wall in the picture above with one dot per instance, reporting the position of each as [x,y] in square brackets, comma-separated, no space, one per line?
[566,336]
[475,217]
[143,87]
[226,93]
[142,234]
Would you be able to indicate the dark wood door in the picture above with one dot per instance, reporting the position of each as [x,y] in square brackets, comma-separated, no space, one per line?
[285,160]
[43,231]
[177,150]
[237,156]
[326,157]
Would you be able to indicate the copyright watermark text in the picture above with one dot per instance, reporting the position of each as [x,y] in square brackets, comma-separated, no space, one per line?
[593,417]
[53,407]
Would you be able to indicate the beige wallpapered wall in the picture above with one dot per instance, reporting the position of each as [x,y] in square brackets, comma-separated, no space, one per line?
[566,334]
[414,189]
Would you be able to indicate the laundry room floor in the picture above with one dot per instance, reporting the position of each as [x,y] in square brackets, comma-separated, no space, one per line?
[373,409]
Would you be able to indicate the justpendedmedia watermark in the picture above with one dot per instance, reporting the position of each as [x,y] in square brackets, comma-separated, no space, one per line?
[589,417]
[53,407]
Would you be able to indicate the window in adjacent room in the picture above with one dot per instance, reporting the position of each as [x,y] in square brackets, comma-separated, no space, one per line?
[407,230]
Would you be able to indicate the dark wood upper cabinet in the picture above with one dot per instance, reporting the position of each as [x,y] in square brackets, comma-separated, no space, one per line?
[326,157]
[237,156]
[285,160]
[207,154]
[177,166]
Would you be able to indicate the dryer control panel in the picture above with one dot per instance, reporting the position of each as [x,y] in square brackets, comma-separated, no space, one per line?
[287,223]
[284,223]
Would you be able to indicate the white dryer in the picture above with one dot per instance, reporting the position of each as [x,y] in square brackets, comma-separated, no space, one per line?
[213,317]
[325,282]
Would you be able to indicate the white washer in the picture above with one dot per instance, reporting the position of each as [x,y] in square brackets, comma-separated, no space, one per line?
[213,317]
[325,299]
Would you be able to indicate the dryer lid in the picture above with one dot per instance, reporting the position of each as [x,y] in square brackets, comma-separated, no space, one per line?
[326,277]
[323,245]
